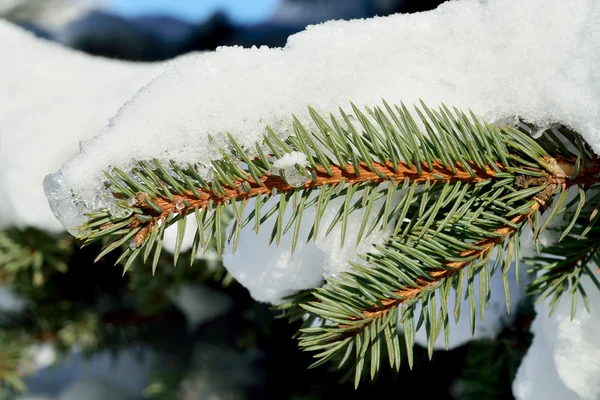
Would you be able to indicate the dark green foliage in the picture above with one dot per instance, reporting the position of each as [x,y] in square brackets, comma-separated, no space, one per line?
[561,266]
[491,365]
[29,256]
[11,357]
[79,303]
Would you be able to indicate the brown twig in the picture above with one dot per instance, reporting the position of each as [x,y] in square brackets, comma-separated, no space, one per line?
[562,171]
[186,203]
[560,177]
[484,247]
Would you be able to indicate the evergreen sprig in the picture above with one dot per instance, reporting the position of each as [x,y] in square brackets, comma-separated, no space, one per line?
[30,256]
[466,190]
[12,353]
[560,267]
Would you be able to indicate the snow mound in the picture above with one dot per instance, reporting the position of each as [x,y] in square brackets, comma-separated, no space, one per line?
[50,99]
[563,362]
[499,58]
[272,274]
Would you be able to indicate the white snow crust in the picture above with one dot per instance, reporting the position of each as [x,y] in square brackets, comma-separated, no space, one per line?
[563,362]
[51,97]
[501,58]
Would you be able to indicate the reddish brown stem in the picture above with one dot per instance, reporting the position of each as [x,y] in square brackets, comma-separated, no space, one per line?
[186,203]
[484,247]
[562,171]
[562,176]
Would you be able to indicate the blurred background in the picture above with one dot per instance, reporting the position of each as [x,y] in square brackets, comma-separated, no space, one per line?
[87,332]
[152,30]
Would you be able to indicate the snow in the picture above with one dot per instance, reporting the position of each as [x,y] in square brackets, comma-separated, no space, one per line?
[42,355]
[199,303]
[563,361]
[10,302]
[286,167]
[436,56]
[103,376]
[170,238]
[271,275]
[499,58]
[511,58]
[50,99]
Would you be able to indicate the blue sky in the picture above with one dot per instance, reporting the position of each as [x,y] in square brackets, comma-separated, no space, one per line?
[243,11]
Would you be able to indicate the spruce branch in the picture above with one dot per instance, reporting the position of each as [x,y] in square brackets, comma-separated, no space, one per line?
[562,178]
[561,266]
[465,191]
[480,251]
[454,149]
[12,353]
[355,304]
[31,256]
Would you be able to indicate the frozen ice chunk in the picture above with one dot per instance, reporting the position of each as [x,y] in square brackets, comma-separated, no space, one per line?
[290,168]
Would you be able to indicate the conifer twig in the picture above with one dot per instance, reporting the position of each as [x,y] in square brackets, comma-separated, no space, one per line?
[187,202]
[451,268]
[465,189]
[561,177]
